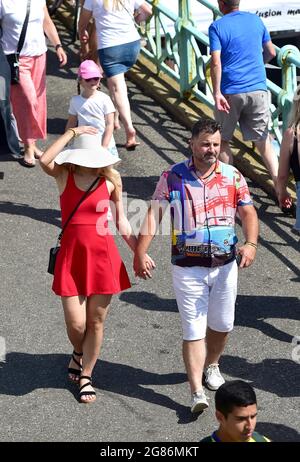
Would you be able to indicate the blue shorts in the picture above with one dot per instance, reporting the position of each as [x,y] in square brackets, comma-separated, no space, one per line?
[118,59]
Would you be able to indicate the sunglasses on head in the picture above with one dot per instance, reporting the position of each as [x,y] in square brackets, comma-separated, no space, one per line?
[92,78]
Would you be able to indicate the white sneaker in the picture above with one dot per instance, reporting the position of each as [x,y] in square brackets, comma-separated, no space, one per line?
[199,401]
[213,377]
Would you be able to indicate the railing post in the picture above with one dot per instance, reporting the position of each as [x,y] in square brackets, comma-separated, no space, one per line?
[186,52]
[289,80]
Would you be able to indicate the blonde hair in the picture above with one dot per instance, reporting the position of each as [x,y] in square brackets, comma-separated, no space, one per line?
[114,5]
[294,117]
[111,174]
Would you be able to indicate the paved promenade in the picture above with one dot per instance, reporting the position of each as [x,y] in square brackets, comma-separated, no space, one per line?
[142,391]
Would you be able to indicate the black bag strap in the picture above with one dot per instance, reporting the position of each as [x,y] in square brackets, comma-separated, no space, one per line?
[24,28]
[75,209]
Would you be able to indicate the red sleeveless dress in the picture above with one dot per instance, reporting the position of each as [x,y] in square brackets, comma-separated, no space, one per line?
[88,261]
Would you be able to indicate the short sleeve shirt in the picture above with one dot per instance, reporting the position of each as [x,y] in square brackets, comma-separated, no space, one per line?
[114,26]
[92,111]
[12,17]
[202,212]
[240,37]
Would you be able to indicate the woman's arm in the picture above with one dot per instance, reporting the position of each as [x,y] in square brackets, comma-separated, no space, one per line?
[124,228]
[47,160]
[284,165]
[143,13]
[120,219]
[109,129]
[85,16]
[52,34]
[72,122]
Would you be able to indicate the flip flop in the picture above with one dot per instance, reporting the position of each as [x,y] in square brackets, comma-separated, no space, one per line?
[27,164]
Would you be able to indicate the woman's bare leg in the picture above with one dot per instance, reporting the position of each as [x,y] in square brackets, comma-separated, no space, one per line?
[96,312]
[75,318]
[118,92]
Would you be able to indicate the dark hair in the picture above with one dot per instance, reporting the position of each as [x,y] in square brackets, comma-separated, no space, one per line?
[234,393]
[205,126]
[232,3]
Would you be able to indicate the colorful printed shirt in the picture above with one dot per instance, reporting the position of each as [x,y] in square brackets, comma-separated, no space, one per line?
[202,212]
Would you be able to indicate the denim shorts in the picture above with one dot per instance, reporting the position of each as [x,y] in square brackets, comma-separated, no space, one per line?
[120,58]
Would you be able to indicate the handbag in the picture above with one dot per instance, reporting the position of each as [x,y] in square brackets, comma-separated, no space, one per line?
[13,58]
[54,250]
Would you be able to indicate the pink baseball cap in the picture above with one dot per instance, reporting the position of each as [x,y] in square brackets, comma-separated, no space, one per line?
[89,69]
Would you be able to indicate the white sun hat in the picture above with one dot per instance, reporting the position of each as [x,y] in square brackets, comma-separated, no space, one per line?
[86,151]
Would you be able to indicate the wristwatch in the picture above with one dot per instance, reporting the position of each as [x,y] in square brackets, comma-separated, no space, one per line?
[59,45]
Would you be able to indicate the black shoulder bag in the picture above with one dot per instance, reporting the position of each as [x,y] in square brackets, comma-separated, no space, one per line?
[54,250]
[13,58]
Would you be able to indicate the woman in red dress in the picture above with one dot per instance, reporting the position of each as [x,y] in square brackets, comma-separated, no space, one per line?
[88,269]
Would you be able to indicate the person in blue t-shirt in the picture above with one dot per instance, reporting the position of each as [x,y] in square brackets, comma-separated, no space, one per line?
[240,45]
[236,412]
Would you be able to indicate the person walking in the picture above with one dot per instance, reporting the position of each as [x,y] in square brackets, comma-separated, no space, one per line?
[290,160]
[28,98]
[8,136]
[236,412]
[89,269]
[118,48]
[92,106]
[204,196]
[239,80]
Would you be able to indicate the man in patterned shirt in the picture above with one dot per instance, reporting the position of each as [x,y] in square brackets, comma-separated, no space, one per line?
[204,195]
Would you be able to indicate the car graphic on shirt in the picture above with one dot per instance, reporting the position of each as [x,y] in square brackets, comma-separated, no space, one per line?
[214,240]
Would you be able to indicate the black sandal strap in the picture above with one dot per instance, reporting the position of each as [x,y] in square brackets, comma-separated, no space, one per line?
[87,393]
[86,377]
[85,385]
[77,354]
[74,371]
[76,362]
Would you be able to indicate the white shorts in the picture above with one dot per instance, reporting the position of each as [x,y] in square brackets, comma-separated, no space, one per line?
[205,297]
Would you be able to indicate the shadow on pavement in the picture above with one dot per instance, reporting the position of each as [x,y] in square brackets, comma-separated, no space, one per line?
[44,215]
[277,432]
[23,373]
[250,311]
[139,187]
[148,301]
[277,376]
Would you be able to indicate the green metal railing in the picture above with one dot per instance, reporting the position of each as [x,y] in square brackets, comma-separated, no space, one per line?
[187,49]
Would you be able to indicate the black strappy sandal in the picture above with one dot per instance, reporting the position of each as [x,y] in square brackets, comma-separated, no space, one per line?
[73,371]
[86,393]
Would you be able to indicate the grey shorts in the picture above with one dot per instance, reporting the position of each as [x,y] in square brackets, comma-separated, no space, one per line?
[251,110]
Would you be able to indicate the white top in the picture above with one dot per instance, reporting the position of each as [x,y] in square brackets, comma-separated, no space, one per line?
[12,16]
[92,111]
[114,27]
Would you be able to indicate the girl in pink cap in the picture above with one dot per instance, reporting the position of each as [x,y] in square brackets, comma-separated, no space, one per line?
[93,107]
[118,48]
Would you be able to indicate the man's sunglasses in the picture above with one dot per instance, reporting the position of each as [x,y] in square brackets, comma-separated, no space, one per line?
[92,78]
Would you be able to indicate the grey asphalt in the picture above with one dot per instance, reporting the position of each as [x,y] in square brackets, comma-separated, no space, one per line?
[142,390]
